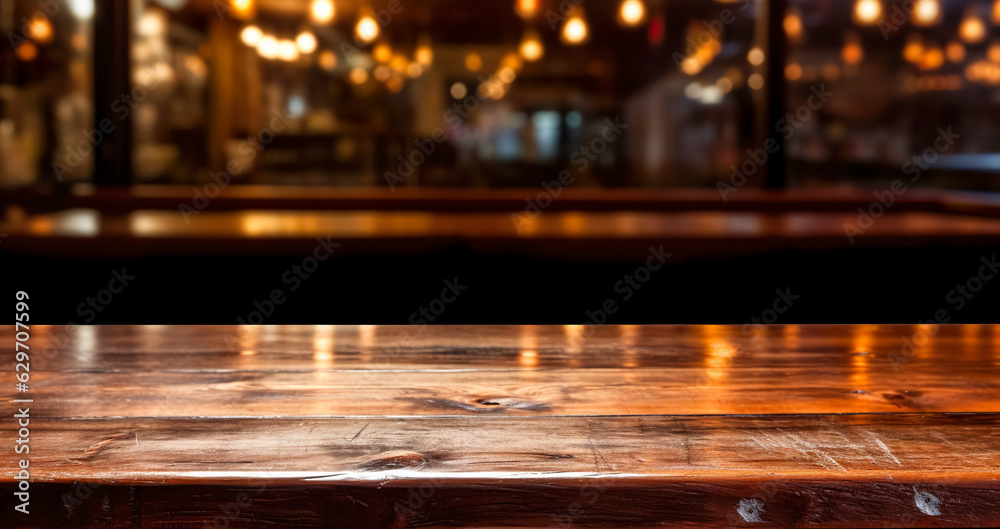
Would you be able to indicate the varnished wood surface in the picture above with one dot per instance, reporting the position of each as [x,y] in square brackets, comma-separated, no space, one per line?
[600,235]
[552,426]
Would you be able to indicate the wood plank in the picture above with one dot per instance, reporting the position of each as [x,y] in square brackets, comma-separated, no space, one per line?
[920,470]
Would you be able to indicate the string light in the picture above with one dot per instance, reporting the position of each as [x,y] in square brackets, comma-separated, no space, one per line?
[852,53]
[367,29]
[358,76]
[40,29]
[287,50]
[867,12]
[972,29]
[268,47]
[575,30]
[327,60]
[251,36]
[322,11]
[631,13]
[526,8]
[793,24]
[306,42]
[926,12]
[955,51]
[756,56]
[913,51]
[243,8]
[473,62]
[531,47]
[382,52]
[424,54]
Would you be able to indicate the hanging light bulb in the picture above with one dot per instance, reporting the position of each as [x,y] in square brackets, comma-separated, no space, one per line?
[913,51]
[852,53]
[933,58]
[926,12]
[575,30]
[40,30]
[867,12]
[531,47]
[424,54]
[631,13]
[322,11]
[243,8]
[251,36]
[526,8]
[382,52]
[287,50]
[367,29]
[793,24]
[993,52]
[306,42]
[972,29]
[268,47]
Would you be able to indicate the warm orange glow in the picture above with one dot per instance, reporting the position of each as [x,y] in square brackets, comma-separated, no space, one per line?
[251,36]
[755,56]
[972,29]
[327,60]
[473,62]
[27,51]
[382,52]
[306,42]
[996,12]
[367,29]
[755,81]
[852,53]
[993,52]
[526,8]
[424,54]
[955,51]
[414,70]
[933,58]
[40,29]
[531,47]
[867,12]
[243,8]
[358,76]
[287,50]
[575,30]
[631,13]
[793,24]
[322,11]
[793,72]
[913,51]
[926,12]
[268,47]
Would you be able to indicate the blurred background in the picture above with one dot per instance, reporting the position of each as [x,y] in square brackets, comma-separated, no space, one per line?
[539,145]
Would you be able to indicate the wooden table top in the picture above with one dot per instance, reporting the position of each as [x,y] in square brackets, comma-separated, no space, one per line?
[521,426]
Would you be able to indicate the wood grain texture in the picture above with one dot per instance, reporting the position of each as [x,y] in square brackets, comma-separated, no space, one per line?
[480,426]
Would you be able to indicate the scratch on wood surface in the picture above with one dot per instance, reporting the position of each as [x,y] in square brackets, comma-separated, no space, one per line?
[359,432]
[96,449]
[883,447]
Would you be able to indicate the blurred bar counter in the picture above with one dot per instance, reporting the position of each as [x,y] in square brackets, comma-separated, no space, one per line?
[253,220]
